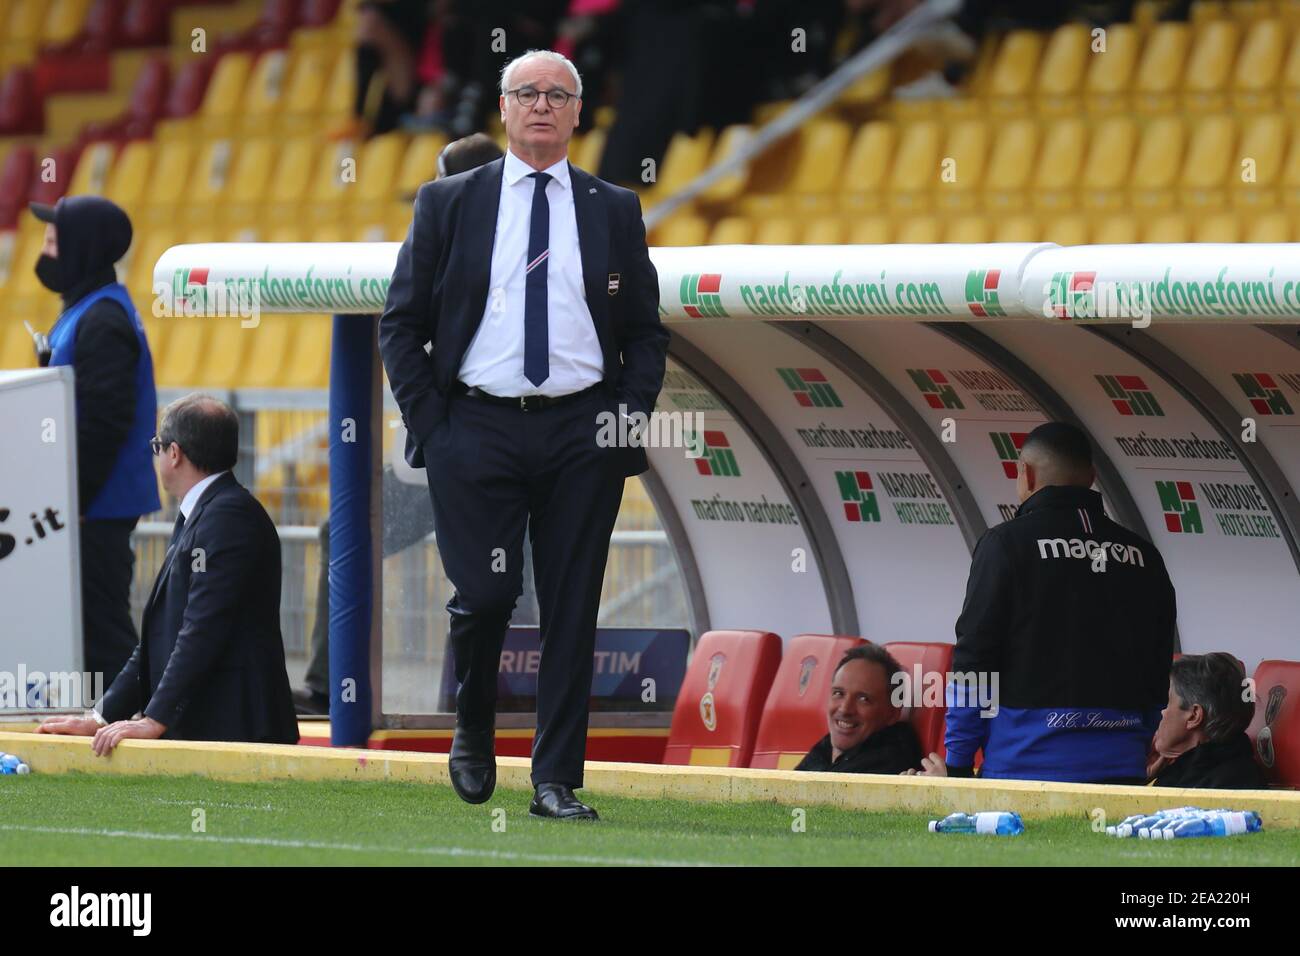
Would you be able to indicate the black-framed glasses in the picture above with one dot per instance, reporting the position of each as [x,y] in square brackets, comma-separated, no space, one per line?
[557,98]
[156,445]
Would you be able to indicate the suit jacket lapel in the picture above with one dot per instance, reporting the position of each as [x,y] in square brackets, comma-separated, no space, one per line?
[478,231]
[187,535]
[593,240]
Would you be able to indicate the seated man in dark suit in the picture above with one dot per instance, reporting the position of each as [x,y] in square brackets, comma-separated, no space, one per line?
[867,731]
[210,662]
[1201,740]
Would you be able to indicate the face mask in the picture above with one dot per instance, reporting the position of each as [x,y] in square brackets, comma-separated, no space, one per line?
[47,270]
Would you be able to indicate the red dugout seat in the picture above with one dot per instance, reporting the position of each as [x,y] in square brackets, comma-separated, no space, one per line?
[721,699]
[1275,731]
[927,719]
[794,717]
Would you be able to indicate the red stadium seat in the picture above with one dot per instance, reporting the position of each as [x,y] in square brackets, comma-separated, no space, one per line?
[188,87]
[927,721]
[794,717]
[1275,731]
[148,97]
[21,107]
[272,29]
[721,699]
[51,191]
[16,176]
[317,13]
[146,23]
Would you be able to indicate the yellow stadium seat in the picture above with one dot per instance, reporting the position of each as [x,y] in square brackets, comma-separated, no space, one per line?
[917,229]
[1288,11]
[1106,167]
[207,187]
[1270,227]
[1210,66]
[1065,61]
[1060,156]
[1250,10]
[376,177]
[1207,11]
[588,153]
[335,170]
[1019,228]
[224,97]
[685,158]
[866,167]
[1167,227]
[1160,68]
[63,20]
[1255,80]
[825,231]
[309,362]
[228,343]
[264,96]
[10,242]
[299,158]
[1146,13]
[915,172]
[732,139]
[681,229]
[1114,229]
[268,352]
[1106,86]
[1067,230]
[731,230]
[147,248]
[1011,81]
[867,89]
[1291,76]
[1217,227]
[400,214]
[419,163]
[1210,157]
[1159,158]
[1011,164]
[961,169]
[245,195]
[306,88]
[968,229]
[129,178]
[777,232]
[1255,170]
[180,362]
[16,350]
[823,148]
[870,231]
[1289,185]
[338,99]
[91,174]
[169,183]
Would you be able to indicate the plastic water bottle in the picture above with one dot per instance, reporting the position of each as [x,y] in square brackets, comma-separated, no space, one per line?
[23,769]
[9,763]
[1130,826]
[998,823]
[1213,824]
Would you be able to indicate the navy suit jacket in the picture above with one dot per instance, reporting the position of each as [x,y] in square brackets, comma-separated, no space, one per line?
[439,291]
[210,662]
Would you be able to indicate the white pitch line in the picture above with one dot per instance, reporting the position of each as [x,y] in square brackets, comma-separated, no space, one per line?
[452,851]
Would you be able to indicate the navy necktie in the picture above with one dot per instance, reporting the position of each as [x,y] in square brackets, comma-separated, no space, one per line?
[536,346]
[176,531]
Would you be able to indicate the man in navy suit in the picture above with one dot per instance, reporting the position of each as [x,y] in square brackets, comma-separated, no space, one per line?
[530,281]
[210,662]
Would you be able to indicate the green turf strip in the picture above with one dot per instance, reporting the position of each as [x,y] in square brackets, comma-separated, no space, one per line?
[79,820]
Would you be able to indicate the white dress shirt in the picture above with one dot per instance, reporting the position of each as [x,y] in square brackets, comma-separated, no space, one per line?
[194,494]
[494,360]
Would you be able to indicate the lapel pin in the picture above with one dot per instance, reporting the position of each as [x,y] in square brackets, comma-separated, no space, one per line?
[592,190]
[613,282]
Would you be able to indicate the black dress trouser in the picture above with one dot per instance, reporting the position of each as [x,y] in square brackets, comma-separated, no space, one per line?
[493,471]
[107,561]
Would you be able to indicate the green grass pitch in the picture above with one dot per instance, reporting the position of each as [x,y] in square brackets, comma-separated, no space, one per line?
[85,820]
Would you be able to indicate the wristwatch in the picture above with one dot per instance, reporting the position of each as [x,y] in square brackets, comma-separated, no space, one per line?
[96,716]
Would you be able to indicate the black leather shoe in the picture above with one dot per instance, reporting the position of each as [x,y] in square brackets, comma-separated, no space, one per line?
[308,703]
[556,800]
[473,766]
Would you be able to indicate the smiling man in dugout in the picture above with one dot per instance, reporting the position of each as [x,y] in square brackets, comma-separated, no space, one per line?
[867,733]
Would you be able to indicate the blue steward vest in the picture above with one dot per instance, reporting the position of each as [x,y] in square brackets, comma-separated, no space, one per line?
[132,486]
